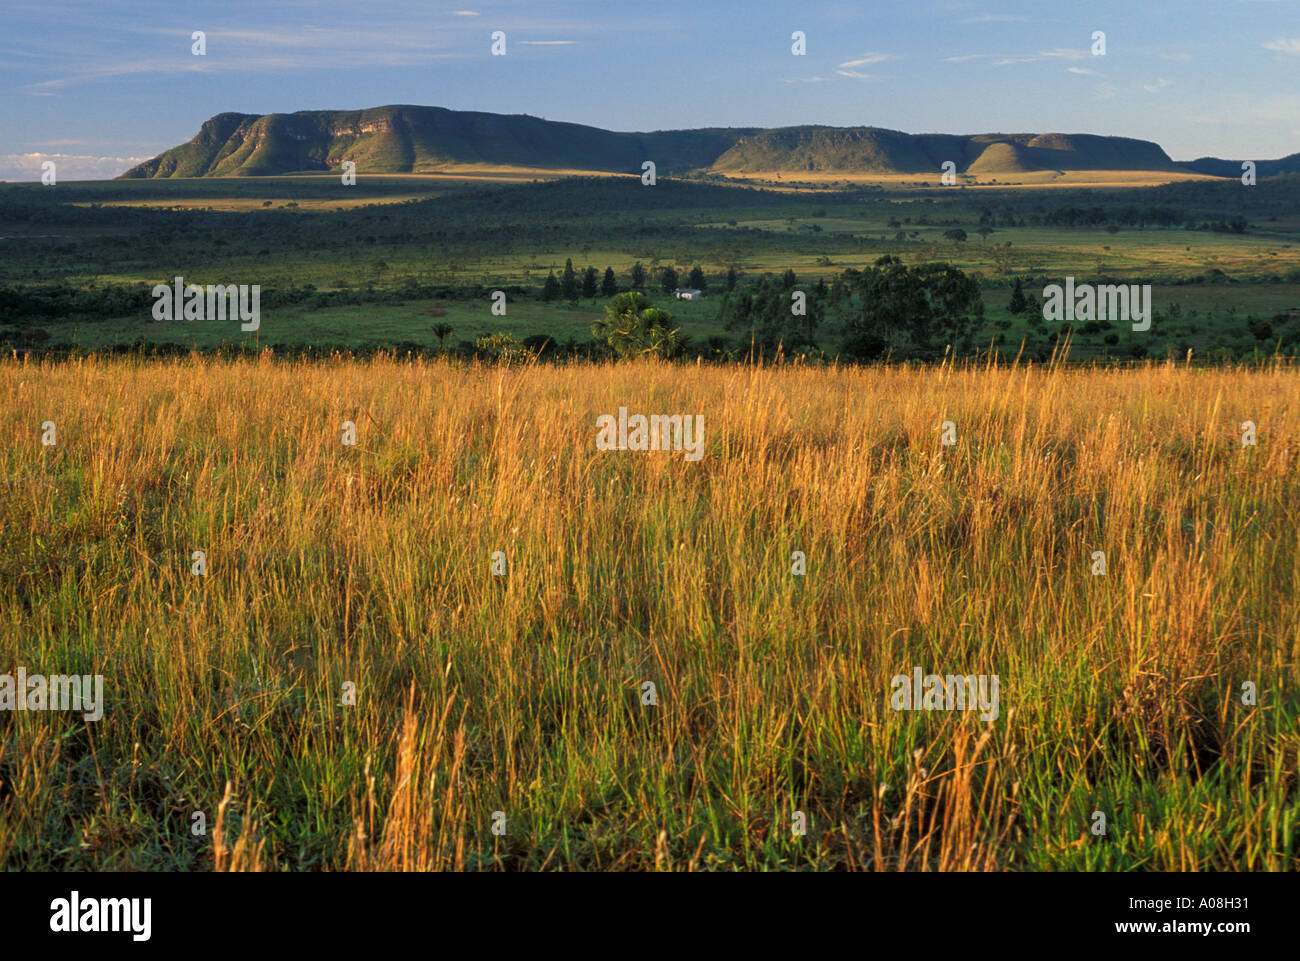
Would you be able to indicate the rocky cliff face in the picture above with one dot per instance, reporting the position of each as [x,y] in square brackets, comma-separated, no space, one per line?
[875,150]
[405,139]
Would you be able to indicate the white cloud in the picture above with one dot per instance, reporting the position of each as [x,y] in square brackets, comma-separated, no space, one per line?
[1158,85]
[1284,45]
[854,74]
[464,13]
[806,80]
[1060,53]
[27,166]
[296,36]
[866,59]
[1083,71]
[1065,53]
[413,57]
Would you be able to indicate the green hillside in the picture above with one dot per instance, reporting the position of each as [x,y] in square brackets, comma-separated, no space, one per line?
[1232,168]
[876,150]
[413,139]
[409,139]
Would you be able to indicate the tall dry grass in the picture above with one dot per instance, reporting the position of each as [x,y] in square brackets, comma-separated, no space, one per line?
[475,694]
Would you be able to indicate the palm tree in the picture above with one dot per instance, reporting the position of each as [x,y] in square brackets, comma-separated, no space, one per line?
[632,326]
[442,332]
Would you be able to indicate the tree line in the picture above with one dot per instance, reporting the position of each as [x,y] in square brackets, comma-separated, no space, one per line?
[590,283]
[888,309]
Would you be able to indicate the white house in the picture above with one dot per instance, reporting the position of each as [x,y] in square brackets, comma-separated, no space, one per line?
[689,293]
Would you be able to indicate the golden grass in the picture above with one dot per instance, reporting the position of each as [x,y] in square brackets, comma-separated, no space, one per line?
[256,204]
[521,694]
[998,180]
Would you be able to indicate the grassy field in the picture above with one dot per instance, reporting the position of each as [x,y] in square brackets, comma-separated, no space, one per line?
[1030,179]
[370,565]
[472,230]
[368,326]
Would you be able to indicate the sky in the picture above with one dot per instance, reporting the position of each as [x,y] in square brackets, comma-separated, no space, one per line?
[100,85]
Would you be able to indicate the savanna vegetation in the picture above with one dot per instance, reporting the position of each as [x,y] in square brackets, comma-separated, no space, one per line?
[385,263]
[523,691]
[394,641]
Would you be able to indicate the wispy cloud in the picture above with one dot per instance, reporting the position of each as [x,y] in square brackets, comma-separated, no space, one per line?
[258,51]
[295,36]
[806,80]
[248,65]
[1083,71]
[1158,85]
[995,18]
[1060,53]
[866,59]
[101,144]
[1066,53]
[464,13]
[856,75]
[48,88]
[1289,45]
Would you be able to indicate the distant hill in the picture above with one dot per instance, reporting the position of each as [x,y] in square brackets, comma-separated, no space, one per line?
[874,150]
[412,139]
[1232,168]
[405,139]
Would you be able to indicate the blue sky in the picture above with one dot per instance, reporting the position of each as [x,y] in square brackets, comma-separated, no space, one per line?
[99,85]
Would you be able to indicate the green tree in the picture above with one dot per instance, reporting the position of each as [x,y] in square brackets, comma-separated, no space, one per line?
[669,280]
[956,235]
[955,306]
[898,307]
[1018,304]
[609,286]
[590,282]
[569,281]
[638,276]
[765,312]
[696,278]
[442,332]
[732,279]
[551,289]
[633,327]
